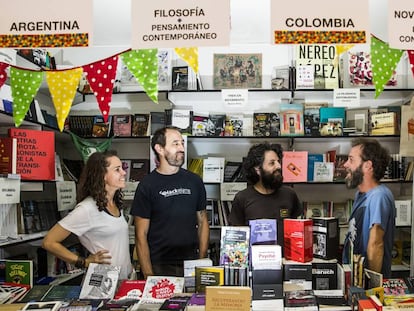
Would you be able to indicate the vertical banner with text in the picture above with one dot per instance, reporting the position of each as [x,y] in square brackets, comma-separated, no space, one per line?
[319,21]
[186,23]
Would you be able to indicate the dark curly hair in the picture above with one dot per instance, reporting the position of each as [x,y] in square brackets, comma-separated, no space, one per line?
[371,150]
[159,138]
[255,158]
[92,180]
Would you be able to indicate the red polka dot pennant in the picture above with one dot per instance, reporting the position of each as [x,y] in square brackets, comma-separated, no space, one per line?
[3,73]
[101,78]
[24,87]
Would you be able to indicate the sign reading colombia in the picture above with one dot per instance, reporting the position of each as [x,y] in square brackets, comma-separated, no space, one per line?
[184,23]
[320,22]
[45,23]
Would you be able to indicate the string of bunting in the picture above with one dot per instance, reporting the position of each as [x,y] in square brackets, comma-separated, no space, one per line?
[143,64]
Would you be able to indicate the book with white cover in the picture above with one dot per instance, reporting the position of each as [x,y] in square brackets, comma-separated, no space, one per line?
[213,169]
[100,282]
[403,212]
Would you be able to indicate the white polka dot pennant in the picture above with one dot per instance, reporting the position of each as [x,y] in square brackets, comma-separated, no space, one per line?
[24,87]
[384,61]
[62,87]
[143,64]
[101,78]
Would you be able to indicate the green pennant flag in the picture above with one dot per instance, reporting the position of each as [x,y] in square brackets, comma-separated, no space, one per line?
[24,87]
[86,147]
[384,61]
[143,64]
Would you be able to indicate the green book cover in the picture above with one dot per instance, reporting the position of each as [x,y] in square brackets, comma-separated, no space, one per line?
[19,271]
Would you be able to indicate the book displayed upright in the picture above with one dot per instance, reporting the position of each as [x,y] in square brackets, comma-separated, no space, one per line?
[19,271]
[179,78]
[182,118]
[291,119]
[263,231]
[234,246]
[8,155]
[100,128]
[36,154]
[122,125]
[295,166]
[325,237]
[208,276]
[140,124]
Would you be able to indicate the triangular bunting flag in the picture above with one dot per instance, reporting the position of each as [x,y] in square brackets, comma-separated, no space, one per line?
[24,87]
[340,48]
[411,59]
[86,147]
[3,73]
[190,56]
[384,61]
[62,87]
[101,78]
[143,64]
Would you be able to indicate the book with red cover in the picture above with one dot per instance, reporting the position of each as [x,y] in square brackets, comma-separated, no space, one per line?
[35,154]
[130,289]
[8,154]
[295,166]
[298,236]
[122,125]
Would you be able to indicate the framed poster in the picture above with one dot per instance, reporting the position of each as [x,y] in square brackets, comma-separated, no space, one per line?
[237,71]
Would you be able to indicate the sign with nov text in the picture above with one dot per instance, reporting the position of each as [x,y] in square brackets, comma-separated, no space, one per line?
[66,195]
[319,21]
[46,23]
[401,24]
[234,98]
[186,23]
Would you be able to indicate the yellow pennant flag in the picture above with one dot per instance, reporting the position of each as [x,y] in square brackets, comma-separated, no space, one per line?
[24,87]
[190,56]
[62,87]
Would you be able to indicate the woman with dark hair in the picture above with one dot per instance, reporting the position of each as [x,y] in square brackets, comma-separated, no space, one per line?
[98,218]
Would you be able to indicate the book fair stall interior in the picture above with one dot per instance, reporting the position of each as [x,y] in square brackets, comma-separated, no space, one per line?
[95,75]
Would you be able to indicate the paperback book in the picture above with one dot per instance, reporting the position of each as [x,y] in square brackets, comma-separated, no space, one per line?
[100,282]
[234,246]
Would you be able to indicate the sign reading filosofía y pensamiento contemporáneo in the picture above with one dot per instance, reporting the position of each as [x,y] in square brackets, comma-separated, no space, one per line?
[45,23]
[184,23]
[401,24]
[319,21]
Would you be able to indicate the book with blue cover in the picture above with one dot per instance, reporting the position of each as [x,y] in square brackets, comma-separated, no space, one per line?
[312,158]
[263,231]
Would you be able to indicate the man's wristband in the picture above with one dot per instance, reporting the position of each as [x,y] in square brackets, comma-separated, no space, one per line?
[80,262]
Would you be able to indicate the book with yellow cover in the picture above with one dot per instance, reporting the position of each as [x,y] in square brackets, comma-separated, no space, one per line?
[384,124]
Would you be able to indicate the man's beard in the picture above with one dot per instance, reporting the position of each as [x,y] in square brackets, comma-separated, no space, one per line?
[273,180]
[174,159]
[355,178]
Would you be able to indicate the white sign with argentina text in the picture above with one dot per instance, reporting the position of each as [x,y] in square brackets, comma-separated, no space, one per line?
[71,20]
[176,24]
[401,24]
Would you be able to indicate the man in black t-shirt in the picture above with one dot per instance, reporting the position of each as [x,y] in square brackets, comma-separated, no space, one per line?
[169,210]
[265,196]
